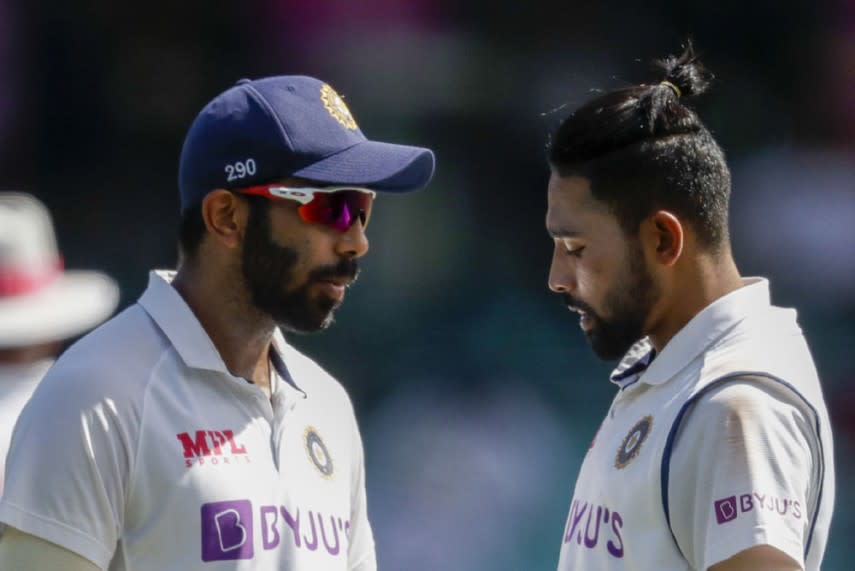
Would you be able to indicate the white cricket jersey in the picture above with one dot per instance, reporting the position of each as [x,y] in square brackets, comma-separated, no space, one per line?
[17,383]
[692,464]
[141,452]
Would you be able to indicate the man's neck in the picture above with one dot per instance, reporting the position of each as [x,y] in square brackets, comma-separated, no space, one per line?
[706,281]
[239,332]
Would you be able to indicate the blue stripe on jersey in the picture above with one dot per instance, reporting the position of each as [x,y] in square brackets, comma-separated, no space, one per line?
[672,434]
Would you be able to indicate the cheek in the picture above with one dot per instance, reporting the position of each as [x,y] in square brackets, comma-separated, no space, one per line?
[597,278]
[306,262]
[592,271]
[313,253]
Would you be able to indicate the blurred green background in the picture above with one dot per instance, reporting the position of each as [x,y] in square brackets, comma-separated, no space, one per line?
[476,393]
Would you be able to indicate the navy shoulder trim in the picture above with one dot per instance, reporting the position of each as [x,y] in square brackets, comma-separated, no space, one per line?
[672,434]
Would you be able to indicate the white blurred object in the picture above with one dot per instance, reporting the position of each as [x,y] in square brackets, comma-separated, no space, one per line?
[39,301]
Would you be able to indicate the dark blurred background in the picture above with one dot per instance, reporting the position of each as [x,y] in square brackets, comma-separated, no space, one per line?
[476,393]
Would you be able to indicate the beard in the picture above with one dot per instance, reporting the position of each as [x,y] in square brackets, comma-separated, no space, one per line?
[269,274]
[627,303]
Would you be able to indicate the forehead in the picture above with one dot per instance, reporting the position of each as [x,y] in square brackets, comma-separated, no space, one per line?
[573,210]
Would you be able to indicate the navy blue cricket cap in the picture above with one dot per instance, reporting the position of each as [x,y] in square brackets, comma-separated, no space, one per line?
[262,130]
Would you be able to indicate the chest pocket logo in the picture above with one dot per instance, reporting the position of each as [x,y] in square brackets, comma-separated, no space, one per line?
[318,452]
[631,445]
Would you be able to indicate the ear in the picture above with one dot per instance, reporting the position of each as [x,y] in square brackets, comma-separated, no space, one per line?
[664,232]
[225,217]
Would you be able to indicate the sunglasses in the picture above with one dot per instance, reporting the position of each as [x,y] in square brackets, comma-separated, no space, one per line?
[337,207]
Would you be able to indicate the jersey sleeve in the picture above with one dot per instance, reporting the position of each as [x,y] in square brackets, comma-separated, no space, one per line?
[745,471]
[23,551]
[67,467]
[361,552]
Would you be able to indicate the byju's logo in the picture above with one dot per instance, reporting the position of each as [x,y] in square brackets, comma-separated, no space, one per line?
[727,509]
[227,530]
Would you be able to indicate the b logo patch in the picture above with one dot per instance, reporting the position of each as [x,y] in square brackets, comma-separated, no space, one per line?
[725,510]
[631,445]
[318,453]
[227,531]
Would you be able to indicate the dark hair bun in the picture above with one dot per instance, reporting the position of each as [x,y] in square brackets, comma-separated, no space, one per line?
[686,72]
[634,115]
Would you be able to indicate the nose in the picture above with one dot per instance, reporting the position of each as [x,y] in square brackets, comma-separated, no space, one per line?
[562,278]
[353,243]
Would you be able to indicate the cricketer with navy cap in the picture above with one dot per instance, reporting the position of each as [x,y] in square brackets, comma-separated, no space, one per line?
[186,433]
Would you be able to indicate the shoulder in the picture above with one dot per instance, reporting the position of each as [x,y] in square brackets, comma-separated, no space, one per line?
[112,363]
[750,419]
[751,399]
[748,442]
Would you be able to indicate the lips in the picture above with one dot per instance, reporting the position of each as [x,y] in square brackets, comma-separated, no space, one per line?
[339,282]
[332,289]
[335,286]
[577,310]
[335,279]
[585,320]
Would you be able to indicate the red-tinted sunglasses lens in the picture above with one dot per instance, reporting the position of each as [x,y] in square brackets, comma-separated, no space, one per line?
[338,210]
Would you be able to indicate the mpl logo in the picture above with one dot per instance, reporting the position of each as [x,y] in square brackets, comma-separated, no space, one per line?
[227,531]
[217,446]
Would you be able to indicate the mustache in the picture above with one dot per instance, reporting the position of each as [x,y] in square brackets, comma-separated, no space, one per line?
[347,268]
[572,302]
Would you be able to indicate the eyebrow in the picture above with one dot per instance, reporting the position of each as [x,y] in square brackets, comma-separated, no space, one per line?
[563,233]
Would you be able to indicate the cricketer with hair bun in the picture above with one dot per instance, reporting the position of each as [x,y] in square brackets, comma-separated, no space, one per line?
[716,452]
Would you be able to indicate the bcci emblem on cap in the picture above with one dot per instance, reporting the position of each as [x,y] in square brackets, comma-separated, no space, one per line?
[631,445]
[334,103]
[318,453]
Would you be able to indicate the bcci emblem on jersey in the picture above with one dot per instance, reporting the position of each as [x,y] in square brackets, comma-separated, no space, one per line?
[318,453]
[631,445]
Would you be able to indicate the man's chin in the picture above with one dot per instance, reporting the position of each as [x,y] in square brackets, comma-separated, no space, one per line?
[606,350]
[302,329]
[303,314]
[306,325]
